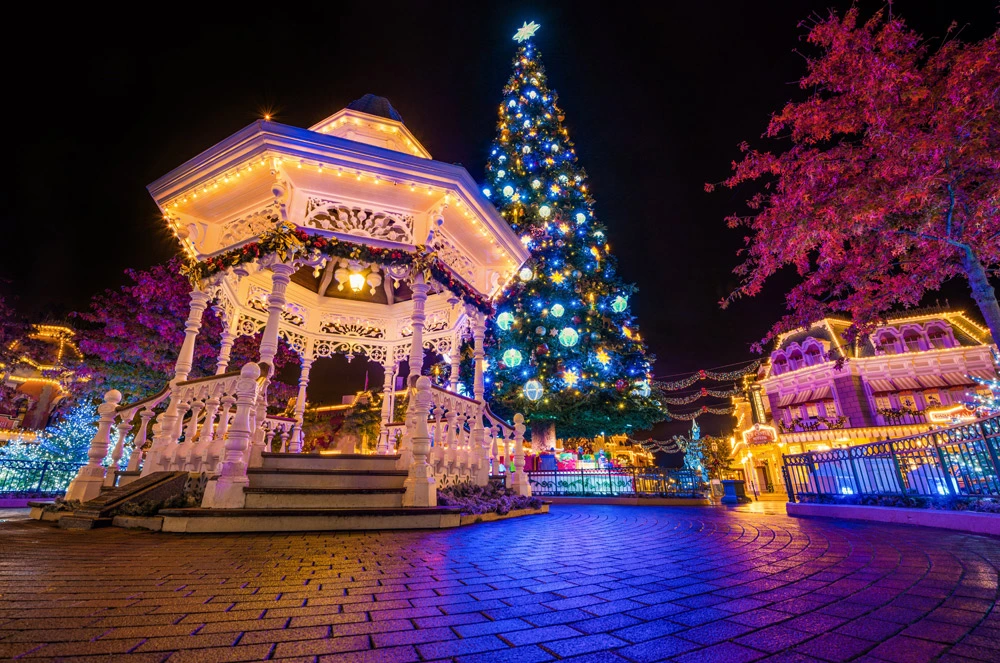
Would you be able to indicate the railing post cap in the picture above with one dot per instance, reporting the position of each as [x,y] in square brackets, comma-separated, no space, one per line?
[518,418]
[423,382]
[251,370]
[113,396]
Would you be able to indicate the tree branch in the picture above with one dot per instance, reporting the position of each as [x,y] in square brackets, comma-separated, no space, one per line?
[935,238]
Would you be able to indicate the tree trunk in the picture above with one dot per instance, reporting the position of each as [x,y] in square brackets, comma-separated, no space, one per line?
[982,292]
[543,435]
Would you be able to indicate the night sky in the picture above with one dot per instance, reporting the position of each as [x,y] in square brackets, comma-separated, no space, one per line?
[655,99]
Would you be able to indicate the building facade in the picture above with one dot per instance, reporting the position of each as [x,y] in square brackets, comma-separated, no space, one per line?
[817,391]
[37,381]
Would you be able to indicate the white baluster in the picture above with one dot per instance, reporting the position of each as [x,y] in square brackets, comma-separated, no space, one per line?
[87,484]
[116,454]
[421,488]
[135,460]
[519,480]
[227,491]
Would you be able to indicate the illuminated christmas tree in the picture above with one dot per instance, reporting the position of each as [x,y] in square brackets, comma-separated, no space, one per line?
[564,347]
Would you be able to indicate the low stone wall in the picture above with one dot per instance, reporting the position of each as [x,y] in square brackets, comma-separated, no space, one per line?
[472,518]
[963,521]
[632,501]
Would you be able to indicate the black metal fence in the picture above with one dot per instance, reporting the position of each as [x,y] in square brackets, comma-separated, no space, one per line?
[622,482]
[35,478]
[959,461]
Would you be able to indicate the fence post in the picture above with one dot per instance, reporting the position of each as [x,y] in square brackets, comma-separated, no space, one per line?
[990,450]
[945,472]
[899,472]
[788,480]
[854,470]
[89,479]
[41,479]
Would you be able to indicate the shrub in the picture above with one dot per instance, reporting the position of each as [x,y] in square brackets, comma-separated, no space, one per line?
[490,498]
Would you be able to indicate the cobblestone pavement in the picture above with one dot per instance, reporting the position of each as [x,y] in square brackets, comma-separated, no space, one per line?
[583,584]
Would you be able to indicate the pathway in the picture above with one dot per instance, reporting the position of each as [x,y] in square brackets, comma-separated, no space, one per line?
[600,584]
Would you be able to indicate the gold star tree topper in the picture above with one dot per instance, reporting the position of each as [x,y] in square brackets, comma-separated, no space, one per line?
[526,31]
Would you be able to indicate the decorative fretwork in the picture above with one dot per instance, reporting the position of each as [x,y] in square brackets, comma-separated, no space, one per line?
[250,225]
[441,346]
[327,348]
[454,257]
[297,342]
[401,353]
[338,217]
[248,326]
[343,325]
[294,314]
[436,321]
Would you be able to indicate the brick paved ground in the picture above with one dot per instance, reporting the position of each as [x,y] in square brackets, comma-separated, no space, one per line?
[584,584]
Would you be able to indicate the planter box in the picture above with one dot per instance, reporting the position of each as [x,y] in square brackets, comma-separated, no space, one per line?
[472,518]
[154,523]
[963,521]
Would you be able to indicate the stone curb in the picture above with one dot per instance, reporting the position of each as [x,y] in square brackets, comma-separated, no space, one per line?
[631,501]
[962,521]
[473,518]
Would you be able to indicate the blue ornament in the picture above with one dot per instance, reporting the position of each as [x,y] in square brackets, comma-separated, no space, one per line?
[533,390]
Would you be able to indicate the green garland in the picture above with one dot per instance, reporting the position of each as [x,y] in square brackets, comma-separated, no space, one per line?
[287,240]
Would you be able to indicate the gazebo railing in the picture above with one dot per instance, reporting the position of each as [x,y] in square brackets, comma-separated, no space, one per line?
[959,461]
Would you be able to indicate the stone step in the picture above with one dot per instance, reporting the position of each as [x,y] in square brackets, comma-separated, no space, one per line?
[318,498]
[316,461]
[99,511]
[308,520]
[261,477]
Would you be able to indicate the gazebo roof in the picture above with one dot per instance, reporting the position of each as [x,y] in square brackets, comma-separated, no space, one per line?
[375,105]
[358,175]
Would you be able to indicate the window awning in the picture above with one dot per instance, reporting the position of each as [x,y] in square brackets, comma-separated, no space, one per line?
[878,385]
[805,396]
[932,381]
[906,383]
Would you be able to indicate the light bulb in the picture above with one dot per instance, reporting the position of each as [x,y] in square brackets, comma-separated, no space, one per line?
[357,281]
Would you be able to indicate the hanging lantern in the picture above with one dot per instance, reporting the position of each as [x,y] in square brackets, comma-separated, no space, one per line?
[512,358]
[533,390]
[357,281]
[569,337]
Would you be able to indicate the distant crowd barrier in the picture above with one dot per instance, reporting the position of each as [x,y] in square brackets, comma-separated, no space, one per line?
[35,478]
[959,461]
[622,482]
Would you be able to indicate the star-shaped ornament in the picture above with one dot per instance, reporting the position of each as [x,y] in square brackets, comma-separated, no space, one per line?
[526,31]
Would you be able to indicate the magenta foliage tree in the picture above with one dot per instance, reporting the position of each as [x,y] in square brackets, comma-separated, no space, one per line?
[131,336]
[890,184]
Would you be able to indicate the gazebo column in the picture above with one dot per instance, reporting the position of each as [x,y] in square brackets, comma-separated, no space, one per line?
[384,442]
[298,436]
[280,277]
[419,288]
[480,452]
[456,363]
[185,358]
[225,348]
[479,354]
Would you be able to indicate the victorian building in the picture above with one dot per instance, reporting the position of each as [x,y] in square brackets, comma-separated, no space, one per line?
[36,381]
[818,391]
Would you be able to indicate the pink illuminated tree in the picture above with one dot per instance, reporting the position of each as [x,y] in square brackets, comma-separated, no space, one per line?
[890,184]
[131,336]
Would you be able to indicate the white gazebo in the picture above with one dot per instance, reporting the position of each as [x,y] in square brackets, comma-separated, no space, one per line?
[344,238]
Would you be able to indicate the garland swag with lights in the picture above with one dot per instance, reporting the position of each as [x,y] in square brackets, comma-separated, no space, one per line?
[684,383]
[564,348]
[704,392]
[704,409]
[286,240]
